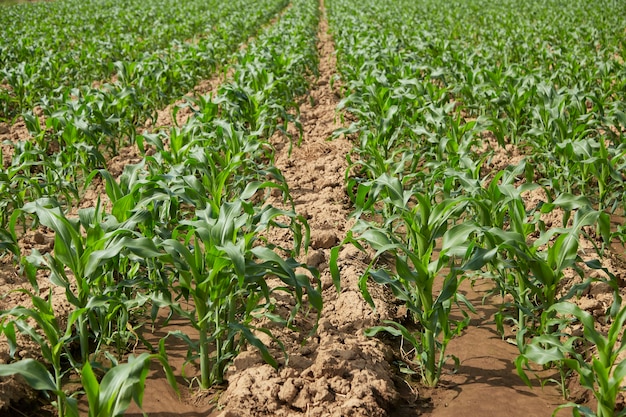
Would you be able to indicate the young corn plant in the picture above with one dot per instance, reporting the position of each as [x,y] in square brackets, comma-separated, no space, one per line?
[54,342]
[425,279]
[532,270]
[601,371]
[24,179]
[90,262]
[72,252]
[121,384]
[109,397]
[222,266]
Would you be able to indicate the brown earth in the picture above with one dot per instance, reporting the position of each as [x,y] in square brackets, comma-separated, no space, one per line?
[338,371]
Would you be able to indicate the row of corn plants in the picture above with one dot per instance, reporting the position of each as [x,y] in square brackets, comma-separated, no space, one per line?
[184,235]
[428,85]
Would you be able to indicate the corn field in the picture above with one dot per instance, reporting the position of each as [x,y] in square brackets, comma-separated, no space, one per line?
[305,207]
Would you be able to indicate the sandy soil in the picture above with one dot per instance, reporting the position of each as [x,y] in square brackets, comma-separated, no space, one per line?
[337,371]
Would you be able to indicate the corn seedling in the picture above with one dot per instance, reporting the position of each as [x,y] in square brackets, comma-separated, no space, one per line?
[222,271]
[600,371]
[54,342]
[409,236]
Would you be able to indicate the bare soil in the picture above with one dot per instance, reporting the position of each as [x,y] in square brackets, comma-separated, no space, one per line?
[338,371]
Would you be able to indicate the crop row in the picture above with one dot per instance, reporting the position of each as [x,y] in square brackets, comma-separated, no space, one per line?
[437,92]
[184,235]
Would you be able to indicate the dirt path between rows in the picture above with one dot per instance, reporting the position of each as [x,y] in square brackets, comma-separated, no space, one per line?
[340,372]
[337,372]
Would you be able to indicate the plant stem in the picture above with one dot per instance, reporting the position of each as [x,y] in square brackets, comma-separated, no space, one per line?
[430,349]
[605,410]
[205,363]
[521,317]
[59,387]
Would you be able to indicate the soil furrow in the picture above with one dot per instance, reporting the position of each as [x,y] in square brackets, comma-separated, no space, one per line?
[337,372]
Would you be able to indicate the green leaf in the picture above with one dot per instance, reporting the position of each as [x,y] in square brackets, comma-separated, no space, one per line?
[7,242]
[123,206]
[448,291]
[520,363]
[169,372]
[394,329]
[236,256]
[255,186]
[455,239]
[361,201]
[479,258]
[380,276]
[8,330]
[122,383]
[394,189]
[256,342]
[585,318]
[142,246]
[35,374]
[619,373]
[567,202]
[564,252]
[378,240]
[91,387]
[541,355]
[403,270]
